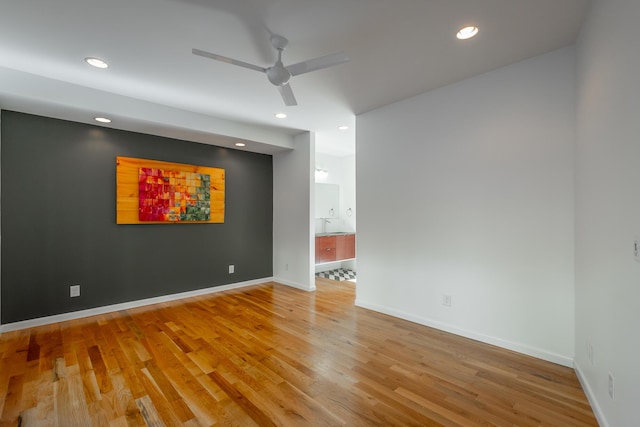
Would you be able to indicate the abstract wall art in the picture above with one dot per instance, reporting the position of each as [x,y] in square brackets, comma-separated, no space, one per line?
[152,192]
[171,195]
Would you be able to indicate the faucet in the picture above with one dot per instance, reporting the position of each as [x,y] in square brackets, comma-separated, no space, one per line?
[325,221]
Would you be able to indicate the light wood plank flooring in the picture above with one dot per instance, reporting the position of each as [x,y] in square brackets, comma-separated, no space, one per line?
[270,355]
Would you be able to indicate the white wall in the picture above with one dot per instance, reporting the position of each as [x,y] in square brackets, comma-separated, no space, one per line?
[293,198]
[608,209]
[0,220]
[468,191]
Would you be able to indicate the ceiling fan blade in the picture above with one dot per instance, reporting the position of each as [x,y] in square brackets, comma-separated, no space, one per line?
[287,95]
[317,63]
[217,57]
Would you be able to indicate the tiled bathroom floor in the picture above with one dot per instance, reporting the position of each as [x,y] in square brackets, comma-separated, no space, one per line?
[340,274]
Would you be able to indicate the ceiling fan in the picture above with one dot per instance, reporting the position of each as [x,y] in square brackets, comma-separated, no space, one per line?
[278,74]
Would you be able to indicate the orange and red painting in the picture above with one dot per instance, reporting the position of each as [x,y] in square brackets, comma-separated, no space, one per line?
[157,192]
[170,195]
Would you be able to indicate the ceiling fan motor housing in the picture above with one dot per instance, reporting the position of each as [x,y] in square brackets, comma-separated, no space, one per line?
[278,74]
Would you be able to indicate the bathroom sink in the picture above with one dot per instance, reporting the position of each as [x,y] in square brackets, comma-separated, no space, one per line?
[333,233]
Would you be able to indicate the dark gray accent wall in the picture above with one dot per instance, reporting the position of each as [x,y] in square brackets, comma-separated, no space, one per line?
[59,220]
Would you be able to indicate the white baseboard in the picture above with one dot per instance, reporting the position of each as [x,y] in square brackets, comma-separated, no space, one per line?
[510,345]
[295,285]
[591,397]
[327,266]
[31,323]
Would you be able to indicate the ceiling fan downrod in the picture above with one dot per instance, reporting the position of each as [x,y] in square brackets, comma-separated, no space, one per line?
[278,74]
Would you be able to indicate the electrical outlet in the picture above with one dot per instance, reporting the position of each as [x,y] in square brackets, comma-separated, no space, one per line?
[446,300]
[590,351]
[232,269]
[612,386]
[74,291]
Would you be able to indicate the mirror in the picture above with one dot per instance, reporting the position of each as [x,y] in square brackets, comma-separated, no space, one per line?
[327,201]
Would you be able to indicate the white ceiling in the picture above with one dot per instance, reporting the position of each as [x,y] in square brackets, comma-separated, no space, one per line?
[398,49]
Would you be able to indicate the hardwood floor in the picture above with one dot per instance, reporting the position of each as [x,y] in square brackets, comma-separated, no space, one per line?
[271,355]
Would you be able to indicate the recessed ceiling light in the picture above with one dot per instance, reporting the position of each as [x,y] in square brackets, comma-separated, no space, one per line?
[281,115]
[467,32]
[102,119]
[96,62]
[240,144]
[343,127]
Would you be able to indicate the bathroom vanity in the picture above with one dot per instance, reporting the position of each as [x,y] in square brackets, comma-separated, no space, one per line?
[331,247]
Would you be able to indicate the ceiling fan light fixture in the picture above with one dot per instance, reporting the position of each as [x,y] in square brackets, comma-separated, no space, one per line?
[96,62]
[467,32]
